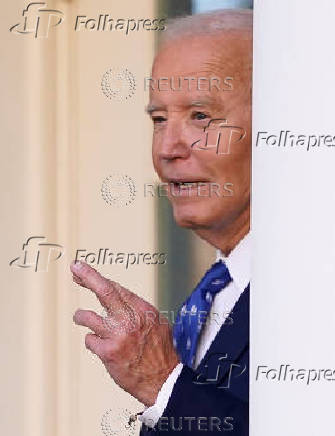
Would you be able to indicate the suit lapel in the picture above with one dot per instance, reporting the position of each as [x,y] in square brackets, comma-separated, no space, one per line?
[229,343]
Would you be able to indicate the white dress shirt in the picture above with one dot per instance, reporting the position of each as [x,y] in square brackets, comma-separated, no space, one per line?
[238,264]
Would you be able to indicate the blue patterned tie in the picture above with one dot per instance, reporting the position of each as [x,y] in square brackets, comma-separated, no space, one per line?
[194,311]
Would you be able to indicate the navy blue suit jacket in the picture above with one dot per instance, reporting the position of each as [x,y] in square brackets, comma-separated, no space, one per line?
[214,398]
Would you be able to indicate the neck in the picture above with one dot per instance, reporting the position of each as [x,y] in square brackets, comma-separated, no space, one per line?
[227,236]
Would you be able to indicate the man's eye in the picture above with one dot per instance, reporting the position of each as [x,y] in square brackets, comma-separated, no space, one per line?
[158,120]
[199,116]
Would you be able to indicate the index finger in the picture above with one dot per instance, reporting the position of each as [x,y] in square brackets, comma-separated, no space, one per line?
[104,289]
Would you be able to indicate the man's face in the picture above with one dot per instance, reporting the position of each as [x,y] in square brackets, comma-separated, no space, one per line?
[220,176]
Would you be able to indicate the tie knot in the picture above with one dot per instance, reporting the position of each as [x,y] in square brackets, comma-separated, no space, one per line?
[216,278]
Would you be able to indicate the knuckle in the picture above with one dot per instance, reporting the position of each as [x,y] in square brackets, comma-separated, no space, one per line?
[91,275]
[78,315]
[104,288]
[90,315]
[115,349]
[88,340]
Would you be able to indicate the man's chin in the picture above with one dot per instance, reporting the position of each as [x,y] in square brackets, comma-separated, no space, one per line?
[190,217]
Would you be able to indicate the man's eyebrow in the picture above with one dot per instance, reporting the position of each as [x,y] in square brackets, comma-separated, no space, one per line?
[153,107]
[207,101]
[203,101]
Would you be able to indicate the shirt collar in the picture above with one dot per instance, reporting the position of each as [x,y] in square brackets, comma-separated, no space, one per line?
[238,262]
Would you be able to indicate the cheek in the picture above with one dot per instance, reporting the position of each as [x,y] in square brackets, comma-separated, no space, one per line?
[231,169]
[155,153]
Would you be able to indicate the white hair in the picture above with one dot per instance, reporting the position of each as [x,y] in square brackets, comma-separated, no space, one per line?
[212,23]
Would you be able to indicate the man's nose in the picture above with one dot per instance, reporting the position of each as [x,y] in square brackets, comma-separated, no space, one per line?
[174,143]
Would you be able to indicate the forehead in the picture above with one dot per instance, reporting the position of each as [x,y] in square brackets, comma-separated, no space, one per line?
[197,56]
[187,62]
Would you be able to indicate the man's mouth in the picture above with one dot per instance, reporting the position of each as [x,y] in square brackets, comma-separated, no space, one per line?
[183,183]
[188,187]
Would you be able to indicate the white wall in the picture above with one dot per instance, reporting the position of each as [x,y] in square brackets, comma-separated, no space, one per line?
[293,217]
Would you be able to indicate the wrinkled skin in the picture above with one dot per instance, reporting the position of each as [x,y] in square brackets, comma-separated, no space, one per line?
[137,348]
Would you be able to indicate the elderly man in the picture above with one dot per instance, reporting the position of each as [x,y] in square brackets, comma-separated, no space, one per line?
[194,377]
